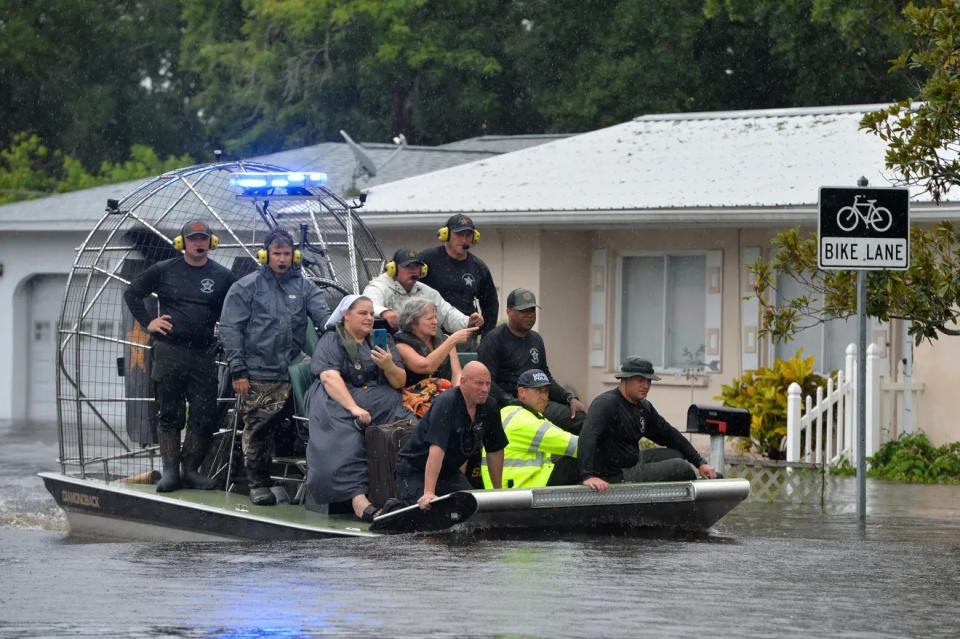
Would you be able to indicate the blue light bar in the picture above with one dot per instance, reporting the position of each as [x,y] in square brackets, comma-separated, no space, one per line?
[262,181]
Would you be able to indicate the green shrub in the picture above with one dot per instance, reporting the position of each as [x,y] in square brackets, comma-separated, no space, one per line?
[763,392]
[912,458]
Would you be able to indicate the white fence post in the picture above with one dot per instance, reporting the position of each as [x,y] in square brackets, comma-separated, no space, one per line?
[850,407]
[872,418]
[793,422]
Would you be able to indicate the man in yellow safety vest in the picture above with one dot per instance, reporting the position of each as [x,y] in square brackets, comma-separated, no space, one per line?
[528,460]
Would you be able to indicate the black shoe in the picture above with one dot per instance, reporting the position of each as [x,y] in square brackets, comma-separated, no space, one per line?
[262,496]
[193,479]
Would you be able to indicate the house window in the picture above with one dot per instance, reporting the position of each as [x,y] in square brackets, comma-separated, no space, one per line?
[41,331]
[827,341]
[669,308]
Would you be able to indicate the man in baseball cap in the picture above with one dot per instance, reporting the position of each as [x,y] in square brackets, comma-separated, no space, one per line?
[534,440]
[460,276]
[617,420]
[195,227]
[514,347]
[400,282]
[190,290]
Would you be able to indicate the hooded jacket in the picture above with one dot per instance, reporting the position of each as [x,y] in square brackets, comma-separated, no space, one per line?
[264,322]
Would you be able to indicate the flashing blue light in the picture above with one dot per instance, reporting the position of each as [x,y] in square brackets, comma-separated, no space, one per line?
[248,182]
[254,181]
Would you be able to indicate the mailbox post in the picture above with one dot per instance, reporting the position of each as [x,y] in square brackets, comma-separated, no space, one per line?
[718,422]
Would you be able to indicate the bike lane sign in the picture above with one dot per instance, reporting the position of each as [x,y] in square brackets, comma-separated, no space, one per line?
[864,228]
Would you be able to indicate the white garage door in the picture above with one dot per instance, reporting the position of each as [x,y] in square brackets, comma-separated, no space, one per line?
[46,292]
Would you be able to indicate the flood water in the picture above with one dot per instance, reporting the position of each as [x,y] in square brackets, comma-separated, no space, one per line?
[766,570]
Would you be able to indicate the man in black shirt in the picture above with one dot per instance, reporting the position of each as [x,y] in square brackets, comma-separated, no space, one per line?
[514,347]
[460,421]
[460,276]
[189,296]
[616,422]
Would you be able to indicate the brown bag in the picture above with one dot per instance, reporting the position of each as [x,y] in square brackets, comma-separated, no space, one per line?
[383,444]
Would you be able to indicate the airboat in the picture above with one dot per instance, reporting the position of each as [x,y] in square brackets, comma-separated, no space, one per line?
[108,454]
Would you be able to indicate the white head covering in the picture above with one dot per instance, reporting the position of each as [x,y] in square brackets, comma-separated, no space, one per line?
[337,313]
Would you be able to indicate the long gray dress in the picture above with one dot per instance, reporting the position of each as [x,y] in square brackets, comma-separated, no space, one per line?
[336,462]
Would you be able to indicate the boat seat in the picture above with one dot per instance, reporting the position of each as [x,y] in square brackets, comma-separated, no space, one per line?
[312,337]
[466,356]
[301,377]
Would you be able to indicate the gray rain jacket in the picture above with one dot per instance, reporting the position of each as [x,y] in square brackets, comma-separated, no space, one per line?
[264,321]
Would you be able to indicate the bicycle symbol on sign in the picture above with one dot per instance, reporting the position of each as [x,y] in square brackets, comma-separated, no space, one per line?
[876,217]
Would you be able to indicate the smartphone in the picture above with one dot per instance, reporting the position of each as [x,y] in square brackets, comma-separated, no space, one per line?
[380,338]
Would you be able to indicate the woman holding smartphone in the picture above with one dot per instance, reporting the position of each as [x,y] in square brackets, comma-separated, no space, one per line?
[358,385]
[429,356]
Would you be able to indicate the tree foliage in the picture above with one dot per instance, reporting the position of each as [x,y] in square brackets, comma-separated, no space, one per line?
[29,169]
[94,77]
[922,147]
[763,392]
[923,138]
[824,51]
[256,76]
[924,295]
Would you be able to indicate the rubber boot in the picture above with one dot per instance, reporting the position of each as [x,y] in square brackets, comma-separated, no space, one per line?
[169,460]
[194,450]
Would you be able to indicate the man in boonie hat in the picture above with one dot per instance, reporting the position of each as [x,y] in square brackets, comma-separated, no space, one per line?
[617,420]
[514,347]
[528,460]
[400,281]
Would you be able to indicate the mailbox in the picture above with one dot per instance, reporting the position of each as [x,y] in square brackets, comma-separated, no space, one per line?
[718,420]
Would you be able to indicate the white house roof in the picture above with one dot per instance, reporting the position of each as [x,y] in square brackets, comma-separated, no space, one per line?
[700,168]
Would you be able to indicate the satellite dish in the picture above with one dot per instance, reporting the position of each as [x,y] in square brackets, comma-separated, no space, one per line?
[363,160]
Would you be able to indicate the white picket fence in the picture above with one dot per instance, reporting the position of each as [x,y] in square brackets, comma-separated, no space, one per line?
[825,431]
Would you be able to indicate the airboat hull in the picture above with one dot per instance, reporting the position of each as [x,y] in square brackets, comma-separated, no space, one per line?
[101,510]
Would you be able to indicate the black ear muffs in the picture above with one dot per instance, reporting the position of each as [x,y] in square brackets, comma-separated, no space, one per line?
[391,269]
[443,234]
[179,245]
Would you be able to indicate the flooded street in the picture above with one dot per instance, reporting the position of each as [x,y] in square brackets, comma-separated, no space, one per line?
[767,569]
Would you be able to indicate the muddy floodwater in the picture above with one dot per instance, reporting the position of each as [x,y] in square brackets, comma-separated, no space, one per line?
[768,569]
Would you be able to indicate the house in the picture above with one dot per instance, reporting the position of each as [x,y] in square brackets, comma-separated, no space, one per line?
[636,240]
[39,238]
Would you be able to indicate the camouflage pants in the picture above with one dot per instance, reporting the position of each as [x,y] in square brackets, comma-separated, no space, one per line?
[266,405]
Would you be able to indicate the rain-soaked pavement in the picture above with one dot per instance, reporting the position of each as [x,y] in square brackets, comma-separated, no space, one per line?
[767,569]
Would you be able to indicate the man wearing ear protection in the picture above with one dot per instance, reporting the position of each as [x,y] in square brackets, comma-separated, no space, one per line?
[263,328]
[400,281]
[190,290]
[460,276]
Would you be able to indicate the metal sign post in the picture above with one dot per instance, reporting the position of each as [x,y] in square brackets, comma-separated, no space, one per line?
[863,229]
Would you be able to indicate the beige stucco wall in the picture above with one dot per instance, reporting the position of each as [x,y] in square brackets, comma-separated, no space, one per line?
[935,365]
[674,394]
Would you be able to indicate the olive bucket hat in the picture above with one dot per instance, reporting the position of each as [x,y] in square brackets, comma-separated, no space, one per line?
[636,367]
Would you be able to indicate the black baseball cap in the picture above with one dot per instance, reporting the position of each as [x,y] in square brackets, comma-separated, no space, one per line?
[533,378]
[406,257]
[458,223]
[521,299]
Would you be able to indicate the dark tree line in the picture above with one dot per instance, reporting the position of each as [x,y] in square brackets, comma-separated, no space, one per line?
[92,79]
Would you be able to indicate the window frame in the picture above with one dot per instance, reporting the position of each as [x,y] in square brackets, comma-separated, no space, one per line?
[618,304]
